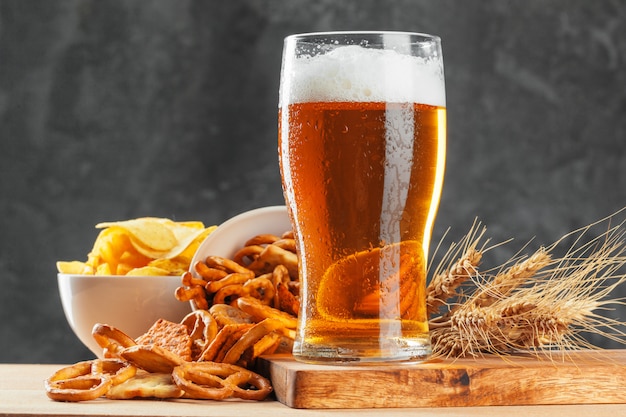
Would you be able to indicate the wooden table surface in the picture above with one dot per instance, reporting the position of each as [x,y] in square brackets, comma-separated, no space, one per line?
[22,394]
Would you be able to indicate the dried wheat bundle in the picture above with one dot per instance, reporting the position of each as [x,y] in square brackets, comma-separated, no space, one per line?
[530,303]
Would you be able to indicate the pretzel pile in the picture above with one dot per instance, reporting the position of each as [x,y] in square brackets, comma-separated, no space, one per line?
[265,268]
[245,307]
[196,358]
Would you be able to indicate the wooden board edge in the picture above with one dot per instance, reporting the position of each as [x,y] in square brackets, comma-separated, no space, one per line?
[449,384]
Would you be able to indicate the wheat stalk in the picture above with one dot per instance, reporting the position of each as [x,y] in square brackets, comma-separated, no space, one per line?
[531,303]
[447,279]
[511,278]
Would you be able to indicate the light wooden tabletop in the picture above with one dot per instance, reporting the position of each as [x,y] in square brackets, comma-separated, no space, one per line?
[22,394]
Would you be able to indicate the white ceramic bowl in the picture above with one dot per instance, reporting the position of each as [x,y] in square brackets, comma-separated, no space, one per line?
[131,304]
[231,235]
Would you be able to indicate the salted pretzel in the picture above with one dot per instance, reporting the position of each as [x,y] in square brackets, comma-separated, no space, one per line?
[87,380]
[151,358]
[188,280]
[234,278]
[260,312]
[262,239]
[250,338]
[226,337]
[287,302]
[226,314]
[226,264]
[247,254]
[156,354]
[118,370]
[111,340]
[229,293]
[272,256]
[218,381]
[208,274]
[202,328]
[262,289]
[195,293]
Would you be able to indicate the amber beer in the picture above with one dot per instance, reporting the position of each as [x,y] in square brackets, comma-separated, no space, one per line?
[362,181]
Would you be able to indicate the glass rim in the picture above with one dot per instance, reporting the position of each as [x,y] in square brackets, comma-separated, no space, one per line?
[303,36]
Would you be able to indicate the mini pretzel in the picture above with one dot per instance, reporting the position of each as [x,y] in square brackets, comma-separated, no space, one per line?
[250,337]
[266,345]
[218,381]
[227,294]
[287,244]
[118,370]
[209,274]
[188,280]
[251,252]
[151,358]
[226,314]
[287,302]
[264,239]
[271,257]
[82,388]
[202,330]
[230,341]
[280,275]
[251,386]
[226,264]
[259,312]
[230,279]
[217,344]
[196,294]
[111,340]
[262,289]
[57,387]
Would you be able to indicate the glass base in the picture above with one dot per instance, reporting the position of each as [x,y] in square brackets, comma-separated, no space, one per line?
[355,352]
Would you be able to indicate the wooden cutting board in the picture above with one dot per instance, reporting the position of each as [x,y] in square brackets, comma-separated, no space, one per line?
[583,377]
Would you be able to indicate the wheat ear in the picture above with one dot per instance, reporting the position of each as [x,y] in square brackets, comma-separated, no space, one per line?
[450,273]
[508,312]
[516,275]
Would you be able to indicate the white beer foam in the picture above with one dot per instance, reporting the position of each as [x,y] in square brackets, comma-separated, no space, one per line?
[356,74]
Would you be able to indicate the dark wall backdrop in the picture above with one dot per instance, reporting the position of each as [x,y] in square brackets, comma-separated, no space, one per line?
[111,110]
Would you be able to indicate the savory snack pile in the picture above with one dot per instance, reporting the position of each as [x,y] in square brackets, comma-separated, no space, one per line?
[245,307]
[166,362]
[265,268]
[143,246]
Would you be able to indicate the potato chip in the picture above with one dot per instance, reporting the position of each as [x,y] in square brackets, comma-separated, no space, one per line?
[143,246]
[71,267]
[150,232]
[103,269]
[148,271]
[189,251]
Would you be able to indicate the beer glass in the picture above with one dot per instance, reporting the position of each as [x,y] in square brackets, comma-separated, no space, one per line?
[362,139]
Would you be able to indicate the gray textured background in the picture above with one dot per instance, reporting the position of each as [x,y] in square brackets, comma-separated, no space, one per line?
[118,109]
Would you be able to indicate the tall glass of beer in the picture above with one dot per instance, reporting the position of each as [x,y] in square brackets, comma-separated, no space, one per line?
[362,139]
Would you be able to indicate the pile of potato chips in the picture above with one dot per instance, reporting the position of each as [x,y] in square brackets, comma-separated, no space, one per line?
[143,246]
